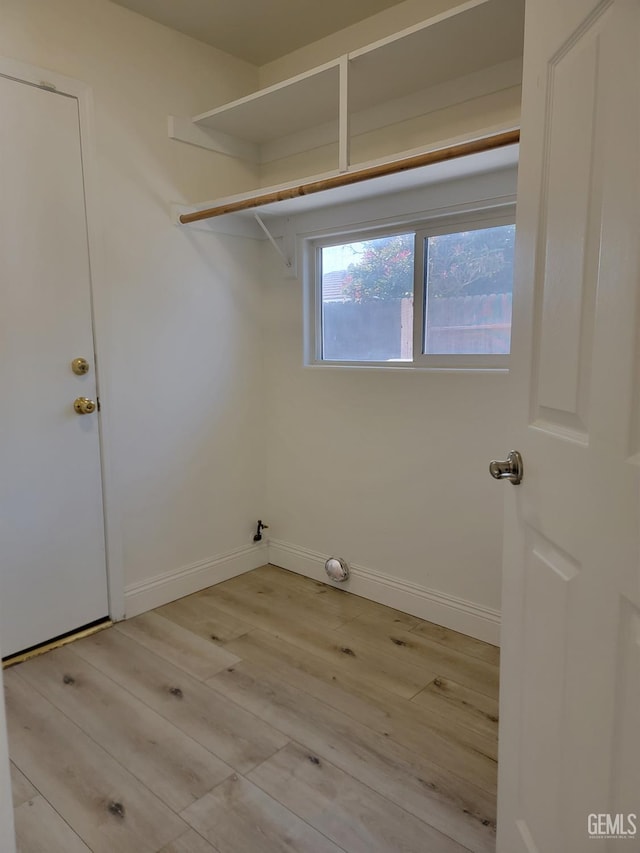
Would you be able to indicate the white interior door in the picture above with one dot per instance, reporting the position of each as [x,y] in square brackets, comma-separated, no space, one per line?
[570,706]
[52,560]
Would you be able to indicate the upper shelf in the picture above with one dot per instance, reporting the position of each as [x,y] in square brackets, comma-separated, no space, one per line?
[454,75]
[298,103]
[477,35]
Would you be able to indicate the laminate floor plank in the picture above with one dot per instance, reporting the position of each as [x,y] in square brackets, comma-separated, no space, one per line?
[21,788]
[349,813]
[190,842]
[460,642]
[266,648]
[358,607]
[468,707]
[235,736]
[276,585]
[106,806]
[455,807]
[172,765]
[245,601]
[238,817]
[418,651]
[293,580]
[198,613]
[383,615]
[178,646]
[355,655]
[384,712]
[40,829]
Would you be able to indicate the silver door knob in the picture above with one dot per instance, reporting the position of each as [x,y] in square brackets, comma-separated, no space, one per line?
[511,469]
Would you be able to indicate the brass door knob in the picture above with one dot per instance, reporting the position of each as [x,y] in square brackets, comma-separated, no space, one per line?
[84,406]
[80,366]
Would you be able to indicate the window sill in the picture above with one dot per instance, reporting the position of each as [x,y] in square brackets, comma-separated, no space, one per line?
[392,366]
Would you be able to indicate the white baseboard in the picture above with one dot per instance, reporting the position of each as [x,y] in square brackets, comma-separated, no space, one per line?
[471,619]
[162,589]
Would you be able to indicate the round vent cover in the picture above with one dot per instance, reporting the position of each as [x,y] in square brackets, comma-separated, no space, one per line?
[337,569]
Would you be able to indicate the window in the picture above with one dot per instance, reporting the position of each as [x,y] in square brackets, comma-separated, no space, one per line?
[367,299]
[430,296]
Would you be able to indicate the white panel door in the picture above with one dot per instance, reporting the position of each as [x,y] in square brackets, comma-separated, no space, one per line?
[52,560]
[570,705]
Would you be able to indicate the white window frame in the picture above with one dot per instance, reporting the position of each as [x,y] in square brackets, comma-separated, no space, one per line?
[476,220]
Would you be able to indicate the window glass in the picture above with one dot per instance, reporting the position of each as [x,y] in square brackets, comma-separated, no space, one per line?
[468,291]
[367,299]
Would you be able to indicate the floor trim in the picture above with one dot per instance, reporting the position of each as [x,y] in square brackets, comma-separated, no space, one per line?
[161,589]
[469,618]
[21,657]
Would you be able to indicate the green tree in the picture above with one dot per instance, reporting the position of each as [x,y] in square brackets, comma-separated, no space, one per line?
[471,262]
[466,263]
[384,269]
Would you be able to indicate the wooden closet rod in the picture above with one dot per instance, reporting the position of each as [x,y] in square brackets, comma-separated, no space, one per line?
[463,149]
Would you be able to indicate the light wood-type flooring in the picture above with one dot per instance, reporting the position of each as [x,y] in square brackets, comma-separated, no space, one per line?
[268,714]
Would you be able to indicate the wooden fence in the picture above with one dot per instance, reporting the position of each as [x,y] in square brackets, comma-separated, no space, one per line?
[383,330]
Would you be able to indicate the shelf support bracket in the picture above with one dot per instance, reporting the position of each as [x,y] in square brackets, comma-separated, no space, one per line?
[287,261]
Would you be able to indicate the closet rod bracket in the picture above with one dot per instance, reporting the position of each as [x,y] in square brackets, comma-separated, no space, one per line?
[287,261]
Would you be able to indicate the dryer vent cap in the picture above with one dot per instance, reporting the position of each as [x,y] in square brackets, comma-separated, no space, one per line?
[337,569]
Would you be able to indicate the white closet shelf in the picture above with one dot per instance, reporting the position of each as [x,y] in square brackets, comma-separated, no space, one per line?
[459,42]
[465,53]
[298,103]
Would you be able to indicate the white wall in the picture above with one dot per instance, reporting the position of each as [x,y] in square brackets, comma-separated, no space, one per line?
[177,310]
[378,26]
[387,468]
